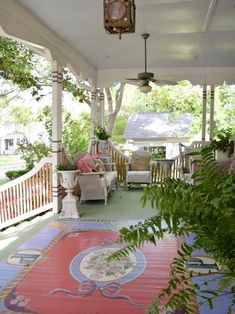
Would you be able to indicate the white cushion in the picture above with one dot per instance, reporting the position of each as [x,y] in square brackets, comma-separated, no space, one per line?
[139,176]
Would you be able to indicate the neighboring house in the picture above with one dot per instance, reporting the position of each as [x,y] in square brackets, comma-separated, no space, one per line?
[12,135]
[158,129]
[9,142]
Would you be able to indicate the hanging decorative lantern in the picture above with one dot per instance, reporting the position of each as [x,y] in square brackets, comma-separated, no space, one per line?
[119,16]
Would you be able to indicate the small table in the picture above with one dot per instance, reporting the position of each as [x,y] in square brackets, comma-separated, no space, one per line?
[166,165]
[192,159]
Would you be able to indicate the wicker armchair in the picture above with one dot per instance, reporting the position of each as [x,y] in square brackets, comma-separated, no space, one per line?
[139,168]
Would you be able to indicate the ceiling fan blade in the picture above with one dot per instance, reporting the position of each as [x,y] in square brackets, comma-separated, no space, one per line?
[132,82]
[133,79]
[163,82]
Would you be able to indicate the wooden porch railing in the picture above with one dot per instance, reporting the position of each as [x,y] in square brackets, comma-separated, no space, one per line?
[159,172]
[158,175]
[27,195]
[199,144]
[118,158]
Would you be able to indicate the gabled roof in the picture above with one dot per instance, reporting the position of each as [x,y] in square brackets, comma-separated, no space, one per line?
[157,125]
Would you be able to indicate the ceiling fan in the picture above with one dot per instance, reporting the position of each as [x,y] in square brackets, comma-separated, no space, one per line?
[145,77]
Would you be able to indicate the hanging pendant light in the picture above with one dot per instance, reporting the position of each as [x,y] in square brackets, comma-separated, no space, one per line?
[145,88]
[119,16]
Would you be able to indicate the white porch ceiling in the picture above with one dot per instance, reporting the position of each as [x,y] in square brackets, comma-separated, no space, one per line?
[189,39]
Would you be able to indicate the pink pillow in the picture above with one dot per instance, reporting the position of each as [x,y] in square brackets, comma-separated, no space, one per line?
[82,166]
[88,159]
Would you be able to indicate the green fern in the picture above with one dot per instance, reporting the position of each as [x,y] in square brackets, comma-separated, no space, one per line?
[206,209]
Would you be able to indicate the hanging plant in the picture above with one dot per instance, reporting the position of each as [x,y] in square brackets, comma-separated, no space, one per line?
[101,133]
[223,141]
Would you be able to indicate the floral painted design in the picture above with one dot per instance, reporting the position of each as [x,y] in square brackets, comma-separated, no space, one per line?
[19,300]
[18,303]
[96,267]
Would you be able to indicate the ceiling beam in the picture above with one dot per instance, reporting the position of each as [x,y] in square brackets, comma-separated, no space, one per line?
[209,15]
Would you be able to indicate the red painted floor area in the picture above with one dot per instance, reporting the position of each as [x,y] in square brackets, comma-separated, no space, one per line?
[72,277]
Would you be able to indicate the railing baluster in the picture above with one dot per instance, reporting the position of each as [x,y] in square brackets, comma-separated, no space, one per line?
[27,195]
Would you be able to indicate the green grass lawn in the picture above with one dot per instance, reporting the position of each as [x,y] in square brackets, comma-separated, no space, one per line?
[3,182]
[10,159]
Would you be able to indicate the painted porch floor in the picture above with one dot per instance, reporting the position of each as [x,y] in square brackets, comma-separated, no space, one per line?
[51,266]
[62,269]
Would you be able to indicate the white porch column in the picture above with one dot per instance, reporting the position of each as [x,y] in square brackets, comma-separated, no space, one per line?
[212,105]
[101,100]
[93,114]
[99,112]
[204,98]
[56,131]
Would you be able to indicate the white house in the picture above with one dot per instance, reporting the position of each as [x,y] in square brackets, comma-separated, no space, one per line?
[11,135]
[158,129]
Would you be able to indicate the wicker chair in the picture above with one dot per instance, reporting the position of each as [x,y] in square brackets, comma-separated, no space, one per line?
[139,168]
[186,167]
[97,185]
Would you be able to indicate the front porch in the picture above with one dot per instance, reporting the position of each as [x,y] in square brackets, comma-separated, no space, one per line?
[41,268]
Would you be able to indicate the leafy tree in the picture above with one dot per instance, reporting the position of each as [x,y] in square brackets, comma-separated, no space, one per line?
[225,107]
[17,64]
[75,135]
[32,153]
[207,210]
[20,115]
[183,98]
[45,116]
[114,95]
[20,65]
[119,128]
[179,99]
[75,132]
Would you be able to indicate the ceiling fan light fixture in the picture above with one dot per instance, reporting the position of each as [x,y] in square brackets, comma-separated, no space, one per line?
[145,88]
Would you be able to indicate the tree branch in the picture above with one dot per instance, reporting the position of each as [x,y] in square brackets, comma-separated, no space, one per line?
[7,93]
[119,98]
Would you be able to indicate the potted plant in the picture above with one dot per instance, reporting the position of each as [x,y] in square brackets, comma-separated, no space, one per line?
[223,144]
[68,174]
[102,135]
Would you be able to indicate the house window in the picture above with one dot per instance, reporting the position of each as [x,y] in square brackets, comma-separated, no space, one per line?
[158,152]
[9,143]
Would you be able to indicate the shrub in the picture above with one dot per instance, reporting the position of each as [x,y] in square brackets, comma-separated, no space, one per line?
[13,174]
[66,167]
[32,153]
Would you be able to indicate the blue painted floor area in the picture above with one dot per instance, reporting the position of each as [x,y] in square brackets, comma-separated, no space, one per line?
[42,239]
[89,225]
[7,274]
[222,303]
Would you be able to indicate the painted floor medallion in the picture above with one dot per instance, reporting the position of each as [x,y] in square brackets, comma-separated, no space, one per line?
[70,274]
